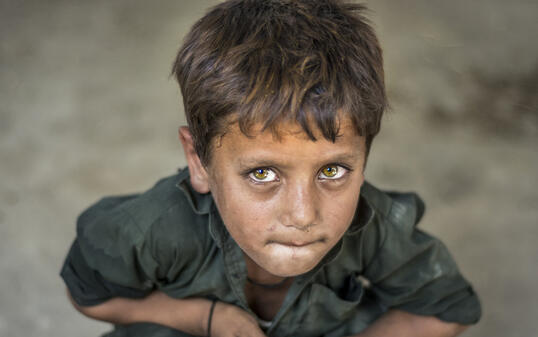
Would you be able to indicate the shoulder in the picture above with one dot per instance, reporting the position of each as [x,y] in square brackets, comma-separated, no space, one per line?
[164,217]
[409,269]
[392,207]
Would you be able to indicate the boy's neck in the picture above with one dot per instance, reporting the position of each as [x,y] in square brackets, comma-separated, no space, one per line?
[264,291]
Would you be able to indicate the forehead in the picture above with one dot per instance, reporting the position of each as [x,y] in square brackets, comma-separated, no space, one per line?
[287,143]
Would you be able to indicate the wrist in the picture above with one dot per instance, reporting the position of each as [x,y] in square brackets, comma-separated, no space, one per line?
[210,317]
[199,309]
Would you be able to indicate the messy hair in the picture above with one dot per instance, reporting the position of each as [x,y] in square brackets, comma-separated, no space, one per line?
[265,62]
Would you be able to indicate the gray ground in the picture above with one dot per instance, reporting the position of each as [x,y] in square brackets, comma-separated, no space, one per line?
[87,109]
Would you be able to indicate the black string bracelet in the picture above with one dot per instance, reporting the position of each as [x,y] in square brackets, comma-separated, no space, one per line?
[210,317]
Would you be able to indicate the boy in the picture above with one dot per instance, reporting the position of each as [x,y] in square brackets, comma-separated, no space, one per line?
[272,230]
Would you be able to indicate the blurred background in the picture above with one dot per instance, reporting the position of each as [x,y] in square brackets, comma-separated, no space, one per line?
[87,109]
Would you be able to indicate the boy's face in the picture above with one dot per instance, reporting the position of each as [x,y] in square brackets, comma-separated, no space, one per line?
[287,201]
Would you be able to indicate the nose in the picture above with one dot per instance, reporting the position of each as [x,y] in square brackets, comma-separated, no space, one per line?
[300,206]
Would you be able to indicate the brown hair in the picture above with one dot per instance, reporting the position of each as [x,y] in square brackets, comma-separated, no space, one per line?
[269,61]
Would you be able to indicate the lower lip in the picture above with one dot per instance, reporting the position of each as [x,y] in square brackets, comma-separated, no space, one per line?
[286,250]
[294,245]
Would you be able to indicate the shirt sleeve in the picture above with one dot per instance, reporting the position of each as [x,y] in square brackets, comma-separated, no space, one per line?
[413,271]
[109,258]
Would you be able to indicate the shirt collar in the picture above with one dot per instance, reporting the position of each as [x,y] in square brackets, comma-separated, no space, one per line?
[200,203]
[364,214]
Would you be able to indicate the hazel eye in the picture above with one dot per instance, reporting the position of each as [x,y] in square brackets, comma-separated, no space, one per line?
[332,172]
[263,175]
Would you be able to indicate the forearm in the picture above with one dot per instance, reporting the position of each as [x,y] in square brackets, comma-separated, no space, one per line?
[397,323]
[187,315]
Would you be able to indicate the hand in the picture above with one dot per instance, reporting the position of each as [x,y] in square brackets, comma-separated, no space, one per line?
[231,321]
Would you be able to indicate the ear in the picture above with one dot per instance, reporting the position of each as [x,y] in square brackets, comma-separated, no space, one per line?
[199,176]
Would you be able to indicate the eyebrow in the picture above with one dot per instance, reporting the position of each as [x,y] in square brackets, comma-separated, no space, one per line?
[252,162]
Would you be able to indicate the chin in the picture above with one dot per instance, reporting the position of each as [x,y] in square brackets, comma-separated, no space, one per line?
[291,267]
[289,272]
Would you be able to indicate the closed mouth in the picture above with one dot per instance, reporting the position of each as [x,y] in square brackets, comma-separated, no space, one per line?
[297,244]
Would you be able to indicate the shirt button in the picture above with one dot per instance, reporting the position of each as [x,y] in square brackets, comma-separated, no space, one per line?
[364,282]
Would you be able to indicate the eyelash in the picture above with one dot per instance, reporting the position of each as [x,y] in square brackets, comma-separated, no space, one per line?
[338,167]
[250,174]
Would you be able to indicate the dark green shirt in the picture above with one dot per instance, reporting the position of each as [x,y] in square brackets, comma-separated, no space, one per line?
[172,238]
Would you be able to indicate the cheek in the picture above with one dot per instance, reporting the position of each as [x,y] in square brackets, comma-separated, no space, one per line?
[341,212]
[245,217]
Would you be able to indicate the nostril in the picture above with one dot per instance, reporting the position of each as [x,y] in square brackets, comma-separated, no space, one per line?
[304,228]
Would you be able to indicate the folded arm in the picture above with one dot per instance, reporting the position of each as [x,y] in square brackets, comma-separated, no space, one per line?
[188,315]
[397,323]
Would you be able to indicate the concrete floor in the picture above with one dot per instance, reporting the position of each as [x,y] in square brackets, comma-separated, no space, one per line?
[87,109]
